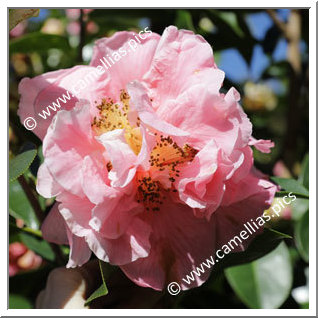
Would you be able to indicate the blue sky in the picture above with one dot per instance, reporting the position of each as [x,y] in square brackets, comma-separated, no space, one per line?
[233,63]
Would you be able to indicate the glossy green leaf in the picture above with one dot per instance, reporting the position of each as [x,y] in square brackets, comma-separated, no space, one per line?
[184,20]
[264,283]
[280,194]
[231,19]
[291,185]
[259,247]
[20,164]
[299,208]
[19,302]
[18,15]
[38,42]
[102,289]
[302,236]
[39,246]
[304,174]
[20,207]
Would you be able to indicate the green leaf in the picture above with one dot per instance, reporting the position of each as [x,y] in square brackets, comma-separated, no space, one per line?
[291,185]
[19,302]
[231,19]
[38,42]
[280,194]
[20,207]
[14,229]
[20,164]
[18,15]
[264,283]
[184,20]
[39,246]
[304,174]
[302,236]
[259,247]
[102,289]
[299,208]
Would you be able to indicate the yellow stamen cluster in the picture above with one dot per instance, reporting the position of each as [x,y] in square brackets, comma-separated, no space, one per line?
[166,157]
[115,116]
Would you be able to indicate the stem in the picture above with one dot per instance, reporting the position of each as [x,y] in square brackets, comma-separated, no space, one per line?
[280,24]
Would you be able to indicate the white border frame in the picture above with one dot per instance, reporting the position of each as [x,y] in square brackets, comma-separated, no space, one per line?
[312,161]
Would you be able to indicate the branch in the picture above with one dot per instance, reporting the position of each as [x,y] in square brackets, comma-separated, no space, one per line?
[279,23]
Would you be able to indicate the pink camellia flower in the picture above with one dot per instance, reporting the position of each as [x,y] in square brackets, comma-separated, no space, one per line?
[150,164]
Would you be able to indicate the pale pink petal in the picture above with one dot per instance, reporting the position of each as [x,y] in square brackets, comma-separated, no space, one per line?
[130,62]
[180,242]
[69,139]
[252,184]
[76,212]
[141,102]
[79,251]
[122,158]
[112,217]
[44,90]
[261,144]
[133,244]
[201,183]
[46,185]
[179,58]
[95,182]
[209,116]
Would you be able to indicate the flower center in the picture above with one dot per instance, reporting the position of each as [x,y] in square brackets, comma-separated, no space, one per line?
[166,158]
[115,116]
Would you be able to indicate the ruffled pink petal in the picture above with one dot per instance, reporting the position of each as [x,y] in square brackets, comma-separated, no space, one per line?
[180,242]
[148,143]
[201,183]
[69,139]
[79,251]
[262,145]
[252,184]
[46,185]
[243,161]
[95,182]
[112,217]
[131,61]
[122,158]
[209,116]
[129,247]
[180,59]
[54,227]
[141,103]
[44,90]
[76,212]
